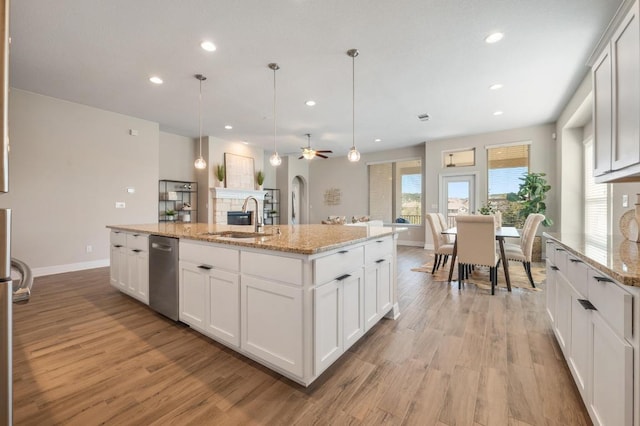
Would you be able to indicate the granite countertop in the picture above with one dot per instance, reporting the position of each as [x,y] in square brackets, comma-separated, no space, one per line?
[618,257]
[302,239]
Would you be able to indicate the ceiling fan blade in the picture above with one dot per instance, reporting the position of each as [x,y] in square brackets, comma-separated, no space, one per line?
[328,151]
[301,157]
[320,155]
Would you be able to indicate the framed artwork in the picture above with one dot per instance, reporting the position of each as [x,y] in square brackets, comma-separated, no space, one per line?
[239,171]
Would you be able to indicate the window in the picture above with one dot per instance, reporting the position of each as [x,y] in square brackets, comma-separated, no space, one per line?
[596,210]
[506,164]
[460,158]
[395,191]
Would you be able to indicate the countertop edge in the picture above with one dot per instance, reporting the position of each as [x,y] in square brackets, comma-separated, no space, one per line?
[625,279]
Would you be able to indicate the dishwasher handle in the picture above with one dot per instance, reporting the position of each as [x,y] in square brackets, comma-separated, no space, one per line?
[163,247]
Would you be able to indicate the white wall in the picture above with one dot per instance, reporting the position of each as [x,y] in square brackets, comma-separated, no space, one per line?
[69,164]
[285,175]
[541,160]
[352,180]
[176,157]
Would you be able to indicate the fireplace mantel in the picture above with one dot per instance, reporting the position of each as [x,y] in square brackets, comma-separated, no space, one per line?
[236,194]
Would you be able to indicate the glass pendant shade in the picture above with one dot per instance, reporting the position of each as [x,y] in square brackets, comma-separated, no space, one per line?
[308,154]
[353,155]
[275,160]
[200,163]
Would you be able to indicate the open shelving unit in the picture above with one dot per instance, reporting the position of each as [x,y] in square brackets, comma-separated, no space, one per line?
[180,197]
[271,204]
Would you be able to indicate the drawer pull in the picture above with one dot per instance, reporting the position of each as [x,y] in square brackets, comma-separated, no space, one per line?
[207,267]
[343,277]
[379,260]
[343,251]
[603,279]
[560,249]
[116,232]
[136,235]
[136,250]
[379,241]
[587,305]
[576,260]
[118,245]
[555,268]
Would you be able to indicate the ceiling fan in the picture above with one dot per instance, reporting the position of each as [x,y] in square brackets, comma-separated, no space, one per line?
[308,152]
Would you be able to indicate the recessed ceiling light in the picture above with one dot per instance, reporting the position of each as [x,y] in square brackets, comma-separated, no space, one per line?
[310,103]
[245,142]
[496,86]
[208,46]
[155,80]
[228,127]
[377,140]
[498,113]
[494,38]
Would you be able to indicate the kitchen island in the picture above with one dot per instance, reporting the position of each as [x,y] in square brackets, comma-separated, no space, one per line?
[294,298]
[593,302]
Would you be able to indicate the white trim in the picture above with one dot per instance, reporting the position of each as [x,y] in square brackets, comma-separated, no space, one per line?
[400,160]
[410,243]
[236,194]
[428,247]
[70,267]
[500,145]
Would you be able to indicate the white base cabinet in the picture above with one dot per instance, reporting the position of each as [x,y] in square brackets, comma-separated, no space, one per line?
[593,319]
[129,264]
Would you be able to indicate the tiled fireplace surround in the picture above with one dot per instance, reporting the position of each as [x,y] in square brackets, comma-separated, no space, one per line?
[226,199]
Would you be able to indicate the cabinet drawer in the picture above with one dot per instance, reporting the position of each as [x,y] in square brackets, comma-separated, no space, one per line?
[118,238]
[330,267]
[578,275]
[612,301]
[550,251]
[277,268]
[203,254]
[378,249]
[560,258]
[138,242]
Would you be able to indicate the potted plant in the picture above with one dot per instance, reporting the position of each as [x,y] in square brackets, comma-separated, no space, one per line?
[260,179]
[171,214]
[220,173]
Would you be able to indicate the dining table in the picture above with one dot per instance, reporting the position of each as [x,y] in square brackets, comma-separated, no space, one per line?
[501,233]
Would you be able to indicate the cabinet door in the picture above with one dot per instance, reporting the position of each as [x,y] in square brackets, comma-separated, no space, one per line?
[115,265]
[327,303]
[385,286]
[579,349]
[371,283]
[352,308]
[611,399]
[602,113]
[138,275]
[223,307]
[625,54]
[272,323]
[562,326]
[551,291]
[193,295]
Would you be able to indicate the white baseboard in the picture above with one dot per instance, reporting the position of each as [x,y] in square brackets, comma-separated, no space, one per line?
[410,243]
[428,246]
[71,267]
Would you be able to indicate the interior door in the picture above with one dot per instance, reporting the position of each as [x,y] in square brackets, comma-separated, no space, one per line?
[457,196]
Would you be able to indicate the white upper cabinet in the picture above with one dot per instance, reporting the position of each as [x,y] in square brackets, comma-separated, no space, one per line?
[616,111]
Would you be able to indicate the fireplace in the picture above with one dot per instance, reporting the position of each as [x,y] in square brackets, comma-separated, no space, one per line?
[225,200]
[239,218]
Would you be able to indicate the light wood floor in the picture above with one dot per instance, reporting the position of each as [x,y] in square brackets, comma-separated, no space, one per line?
[84,354]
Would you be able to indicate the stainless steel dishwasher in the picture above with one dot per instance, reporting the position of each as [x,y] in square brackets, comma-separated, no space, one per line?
[163,275]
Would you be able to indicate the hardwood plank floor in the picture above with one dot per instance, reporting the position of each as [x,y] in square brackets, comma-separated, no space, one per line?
[85,354]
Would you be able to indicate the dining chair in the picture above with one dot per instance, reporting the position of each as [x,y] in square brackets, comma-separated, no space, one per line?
[441,246]
[476,245]
[522,252]
[444,225]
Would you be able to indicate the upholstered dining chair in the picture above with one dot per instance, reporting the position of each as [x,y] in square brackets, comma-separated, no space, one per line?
[444,225]
[522,252]
[476,240]
[442,248]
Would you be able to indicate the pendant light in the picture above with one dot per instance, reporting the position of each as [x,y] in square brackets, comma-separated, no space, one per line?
[200,163]
[451,161]
[275,159]
[353,154]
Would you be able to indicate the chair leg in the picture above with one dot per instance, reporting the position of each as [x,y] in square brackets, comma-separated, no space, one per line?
[446,259]
[527,268]
[493,273]
[460,275]
[435,263]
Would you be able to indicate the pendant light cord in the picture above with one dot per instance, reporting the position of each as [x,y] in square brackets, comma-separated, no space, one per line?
[275,148]
[200,116]
[353,104]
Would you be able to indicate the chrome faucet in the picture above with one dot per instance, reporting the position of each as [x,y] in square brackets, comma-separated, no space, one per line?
[257,214]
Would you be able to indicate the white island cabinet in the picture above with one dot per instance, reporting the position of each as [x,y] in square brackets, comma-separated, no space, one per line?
[595,321]
[293,301]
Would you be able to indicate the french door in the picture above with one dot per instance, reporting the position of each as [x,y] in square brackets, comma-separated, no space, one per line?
[457,196]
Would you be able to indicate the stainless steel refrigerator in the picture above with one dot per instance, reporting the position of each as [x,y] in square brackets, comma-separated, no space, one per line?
[6,288]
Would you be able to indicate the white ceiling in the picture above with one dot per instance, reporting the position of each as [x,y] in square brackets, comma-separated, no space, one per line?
[416,56]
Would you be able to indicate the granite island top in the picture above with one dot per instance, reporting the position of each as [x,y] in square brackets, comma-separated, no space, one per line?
[617,257]
[301,239]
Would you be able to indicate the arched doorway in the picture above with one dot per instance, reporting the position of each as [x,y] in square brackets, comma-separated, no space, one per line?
[299,212]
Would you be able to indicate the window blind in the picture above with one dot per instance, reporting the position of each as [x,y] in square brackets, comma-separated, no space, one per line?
[596,205]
